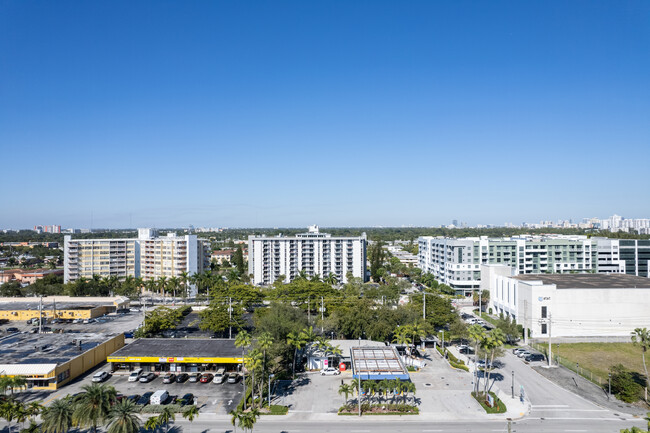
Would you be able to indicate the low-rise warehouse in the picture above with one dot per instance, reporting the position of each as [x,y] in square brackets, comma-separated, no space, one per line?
[48,361]
[60,307]
[177,355]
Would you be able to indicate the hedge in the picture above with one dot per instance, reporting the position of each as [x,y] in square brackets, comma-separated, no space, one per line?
[157,408]
[394,409]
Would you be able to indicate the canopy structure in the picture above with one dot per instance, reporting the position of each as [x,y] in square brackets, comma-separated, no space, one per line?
[27,369]
[377,363]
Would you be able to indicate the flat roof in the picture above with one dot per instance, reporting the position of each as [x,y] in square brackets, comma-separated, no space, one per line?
[43,349]
[377,363]
[589,281]
[62,303]
[179,348]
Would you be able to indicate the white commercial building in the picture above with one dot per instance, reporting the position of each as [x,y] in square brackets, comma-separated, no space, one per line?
[313,252]
[569,305]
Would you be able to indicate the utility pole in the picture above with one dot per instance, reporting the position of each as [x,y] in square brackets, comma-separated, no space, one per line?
[424,305]
[229,318]
[40,315]
[322,314]
[549,340]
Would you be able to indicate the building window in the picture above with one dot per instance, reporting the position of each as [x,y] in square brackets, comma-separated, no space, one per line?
[543,315]
[543,328]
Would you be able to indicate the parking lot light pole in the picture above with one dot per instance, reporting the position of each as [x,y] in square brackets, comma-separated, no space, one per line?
[512,387]
[271,376]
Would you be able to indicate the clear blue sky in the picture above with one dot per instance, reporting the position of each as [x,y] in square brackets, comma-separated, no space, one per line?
[338,113]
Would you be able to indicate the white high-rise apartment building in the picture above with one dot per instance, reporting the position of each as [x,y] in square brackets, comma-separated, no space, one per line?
[84,258]
[313,252]
[149,256]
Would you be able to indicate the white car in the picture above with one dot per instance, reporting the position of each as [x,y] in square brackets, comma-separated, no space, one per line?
[100,376]
[329,371]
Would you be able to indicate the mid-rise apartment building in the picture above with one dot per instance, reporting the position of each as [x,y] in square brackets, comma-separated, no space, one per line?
[149,256]
[315,253]
[84,258]
[456,262]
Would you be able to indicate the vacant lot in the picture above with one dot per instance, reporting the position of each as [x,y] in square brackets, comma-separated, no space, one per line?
[598,357]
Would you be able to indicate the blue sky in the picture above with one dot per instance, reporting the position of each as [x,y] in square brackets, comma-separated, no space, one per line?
[338,113]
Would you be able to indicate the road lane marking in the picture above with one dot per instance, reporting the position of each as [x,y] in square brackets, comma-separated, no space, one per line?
[550,405]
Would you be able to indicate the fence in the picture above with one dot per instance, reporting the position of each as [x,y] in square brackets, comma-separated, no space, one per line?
[573,366]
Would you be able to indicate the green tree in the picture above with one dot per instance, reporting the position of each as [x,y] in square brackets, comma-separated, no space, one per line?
[345,389]
[123,417]
[264,343]
[476,334]
[297,342]
[491,343]
[190,414]
[166,416]
[238,260]
[152,423]
[243,340]
[624,385]
[57,417]
[236,416]
[641,337]
[248,419]
[376,255]
[93,405]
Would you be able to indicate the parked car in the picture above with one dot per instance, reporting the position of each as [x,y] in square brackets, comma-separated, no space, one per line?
[481,364]
[144,399]
[523,354]
[169,378]
[519,350]
[534,357]
[329,371]
[100,376]
[194,377]
[206,377]
[77,321]
[465,350]
[233,378]
[186,399]
[182,377]
[12,329]
[146,378]
[135,375]
[128,334]
[219,376]
[134,398]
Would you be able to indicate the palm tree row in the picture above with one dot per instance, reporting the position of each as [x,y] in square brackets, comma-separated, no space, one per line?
[15,410]
[12,383]
[379,391]
[490,344]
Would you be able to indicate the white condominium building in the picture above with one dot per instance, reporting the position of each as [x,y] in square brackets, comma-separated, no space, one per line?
[313,252]
[84,258]
[149,256]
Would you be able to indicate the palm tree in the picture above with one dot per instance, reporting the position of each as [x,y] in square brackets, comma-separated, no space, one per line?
[236,417]
[151,285]
[172,285]
[331,279]
[17,382]
[152,423]
[94,405]
[308,334]
[162,286]
[493,341]
[418,329]
[190,414]
[243,340]
[315,278]
[57,418]
[165,417]
[32,428]
[248,419]
[641,337]
[476,334]
[184,279]
[345,389]
[253,362]
[264,342]
[123,417]
[297,342]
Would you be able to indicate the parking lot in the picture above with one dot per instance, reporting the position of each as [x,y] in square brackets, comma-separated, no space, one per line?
[110,324]
[211,397]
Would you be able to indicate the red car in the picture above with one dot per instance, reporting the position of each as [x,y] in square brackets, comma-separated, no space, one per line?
[206,378]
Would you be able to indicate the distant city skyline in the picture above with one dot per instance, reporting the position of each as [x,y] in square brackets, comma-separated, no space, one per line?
[291,113]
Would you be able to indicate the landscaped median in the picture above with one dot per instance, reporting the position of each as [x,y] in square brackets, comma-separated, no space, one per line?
[497,405]
[453,361]
[379,409]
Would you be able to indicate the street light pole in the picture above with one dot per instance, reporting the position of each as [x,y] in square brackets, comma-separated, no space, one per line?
[271,376]
[610,386]
[512,387]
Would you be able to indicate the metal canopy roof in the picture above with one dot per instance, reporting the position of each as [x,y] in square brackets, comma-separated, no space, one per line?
[26,369]
[377,363]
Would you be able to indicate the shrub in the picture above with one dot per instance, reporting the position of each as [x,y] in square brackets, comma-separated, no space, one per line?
[276,409]
[157,408]
[499,406]
[626,385]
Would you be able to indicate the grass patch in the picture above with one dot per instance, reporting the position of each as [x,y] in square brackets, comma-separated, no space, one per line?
[499,406]
[277,409]
[157,408]
[411,368]
[599,357]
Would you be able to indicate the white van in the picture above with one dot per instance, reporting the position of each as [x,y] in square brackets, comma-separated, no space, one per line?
[219,376]
[135,375]
[159,397]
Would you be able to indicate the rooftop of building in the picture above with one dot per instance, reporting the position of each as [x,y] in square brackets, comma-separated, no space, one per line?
[61,303]
[589,281]
[377,363]
[47,349]
[181,347]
